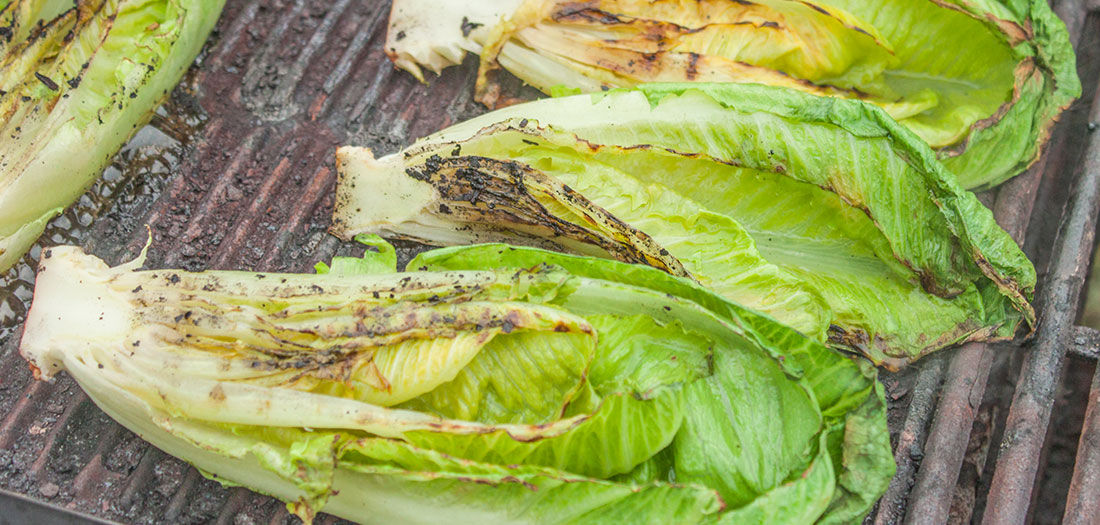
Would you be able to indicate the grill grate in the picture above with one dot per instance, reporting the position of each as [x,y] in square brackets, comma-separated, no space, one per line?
[237,173]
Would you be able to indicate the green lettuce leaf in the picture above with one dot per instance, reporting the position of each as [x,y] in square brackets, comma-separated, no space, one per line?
[873,245]
[850,400]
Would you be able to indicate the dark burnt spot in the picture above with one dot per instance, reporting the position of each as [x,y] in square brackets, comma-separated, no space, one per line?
[401,34]
[457,150]
[485,190]
[818,8]
[530,142]
[511,319]
[46,81]
[931,285]
[770,24]
[174,278]
[855,339]
[468,26]
[433,163]
[693,66]
[578,12]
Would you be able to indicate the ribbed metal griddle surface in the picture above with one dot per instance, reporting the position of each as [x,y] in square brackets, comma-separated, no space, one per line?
[236,172]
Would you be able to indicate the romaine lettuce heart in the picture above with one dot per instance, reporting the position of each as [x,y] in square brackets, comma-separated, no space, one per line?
[499,384]
[981,81]
[824,213]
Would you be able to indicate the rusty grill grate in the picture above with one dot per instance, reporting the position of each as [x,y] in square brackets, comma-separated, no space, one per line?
[237,170]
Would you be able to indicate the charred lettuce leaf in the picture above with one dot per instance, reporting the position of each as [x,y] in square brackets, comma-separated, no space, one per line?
[77,79]
[496,385]
[823,213]
[981,81]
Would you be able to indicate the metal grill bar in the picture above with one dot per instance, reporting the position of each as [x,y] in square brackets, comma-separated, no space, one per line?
[908,451]
[1083,500]
[960,398]
[1029,416]
[1086,343]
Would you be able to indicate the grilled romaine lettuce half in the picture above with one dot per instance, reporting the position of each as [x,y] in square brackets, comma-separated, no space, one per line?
[77,79]
[823,213]
[982,81]
[497,385]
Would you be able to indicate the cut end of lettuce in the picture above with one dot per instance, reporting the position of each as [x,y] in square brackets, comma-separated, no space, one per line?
[435,35]
[76,284]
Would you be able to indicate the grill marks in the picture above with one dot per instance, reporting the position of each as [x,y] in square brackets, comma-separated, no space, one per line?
[586,13]
[477,189]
